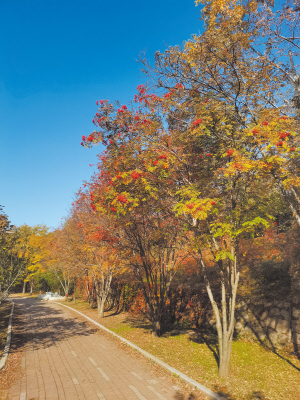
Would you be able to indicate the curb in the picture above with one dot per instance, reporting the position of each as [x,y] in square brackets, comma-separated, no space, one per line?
[8,340]
[191,382]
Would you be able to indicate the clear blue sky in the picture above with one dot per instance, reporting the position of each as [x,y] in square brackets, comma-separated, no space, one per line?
[57,59]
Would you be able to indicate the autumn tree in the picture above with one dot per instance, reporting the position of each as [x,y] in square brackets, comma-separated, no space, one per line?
[13,258]
[34,241]
[148,239]
[66,257]
[212,145]
[102,260]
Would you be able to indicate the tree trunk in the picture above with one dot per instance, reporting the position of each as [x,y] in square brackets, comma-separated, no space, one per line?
[225,360]
[31,288]
[225,317]
[156,327]
[100,304]
[24,287]
[74,295]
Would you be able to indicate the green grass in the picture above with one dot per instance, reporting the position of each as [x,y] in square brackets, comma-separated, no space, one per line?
[255,373]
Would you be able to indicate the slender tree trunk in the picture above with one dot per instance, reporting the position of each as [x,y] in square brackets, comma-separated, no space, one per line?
[24,287]
[226,316]
[74,295]
[102,290]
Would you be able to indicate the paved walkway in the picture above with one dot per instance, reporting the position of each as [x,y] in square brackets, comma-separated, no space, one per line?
[65,358]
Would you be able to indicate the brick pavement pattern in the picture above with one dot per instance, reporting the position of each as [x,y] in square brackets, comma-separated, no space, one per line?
[65,358]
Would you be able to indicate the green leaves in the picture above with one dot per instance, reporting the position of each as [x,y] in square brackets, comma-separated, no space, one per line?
[223,254]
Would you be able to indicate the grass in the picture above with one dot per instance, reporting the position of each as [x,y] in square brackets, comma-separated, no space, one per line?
[255,372]
[5,309]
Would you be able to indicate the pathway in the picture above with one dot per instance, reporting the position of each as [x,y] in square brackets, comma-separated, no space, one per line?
[66,358]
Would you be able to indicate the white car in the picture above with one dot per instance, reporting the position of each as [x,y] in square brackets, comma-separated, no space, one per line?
[50,296]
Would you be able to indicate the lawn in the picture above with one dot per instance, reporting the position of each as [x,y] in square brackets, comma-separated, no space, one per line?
[5,309]
[255,373]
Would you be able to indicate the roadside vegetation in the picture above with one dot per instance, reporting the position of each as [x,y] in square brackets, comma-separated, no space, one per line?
[5,309]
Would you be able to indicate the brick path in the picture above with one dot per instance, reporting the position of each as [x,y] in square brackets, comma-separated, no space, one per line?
[64,358]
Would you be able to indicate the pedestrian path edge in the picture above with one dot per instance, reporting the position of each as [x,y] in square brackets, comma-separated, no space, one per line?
[168,367]
[8,339]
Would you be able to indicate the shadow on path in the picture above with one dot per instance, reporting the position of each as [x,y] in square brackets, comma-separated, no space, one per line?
[38,325]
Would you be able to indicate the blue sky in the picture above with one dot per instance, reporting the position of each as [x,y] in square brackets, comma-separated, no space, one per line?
[57,59]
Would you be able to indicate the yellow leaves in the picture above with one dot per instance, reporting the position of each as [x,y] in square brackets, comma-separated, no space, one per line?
[291,181]
[239,164]
[231,11]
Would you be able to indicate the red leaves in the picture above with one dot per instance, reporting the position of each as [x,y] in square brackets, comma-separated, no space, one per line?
[155,162]
[113,209]
[213,203]
[122,198]
[292,149]
[230,152]
[283,135]
[83,138]
[196,123]
[279,144]
[163,157]
[255,132]
[124,107]
[208,154]
[137,118]
[265,123]
[191,206]
[135,175]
